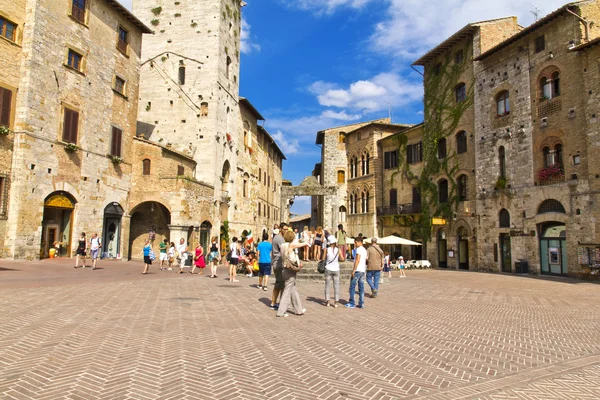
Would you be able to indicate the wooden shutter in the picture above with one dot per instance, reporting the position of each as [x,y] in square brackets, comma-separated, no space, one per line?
[67,126]
[409,154]
[74,126]
[116,142]
[386,159]
[5,102]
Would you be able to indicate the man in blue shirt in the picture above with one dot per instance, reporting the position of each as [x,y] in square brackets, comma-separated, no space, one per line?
[264,249]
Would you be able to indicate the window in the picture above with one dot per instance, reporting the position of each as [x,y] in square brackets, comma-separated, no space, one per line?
[365,163]
[70,126]
[363,203]
[367,202]
[260,175]
[414,153]
[341,177]
[74,60]
[5,106]
[146,167]
[358,136]
[116,142]
[259,209]
[460,92]
[264,178]
[551,205]
[204,109]
[550,87]
[123,40]
[443,191]
[504,218]
[341,137]
[269,181]
[269,212]
[390,159]
[342,214]
[576,159]
[7,29]
[558,154]
[458,57]
[78,10]
[502,162]
[393,197]
[554,156]
[228,67]
[119,85]
[463,191]
[441,148]
[3,195]
[181,76]
[502,104]
[416,195]
[461,142]
[540,44]
[180,170]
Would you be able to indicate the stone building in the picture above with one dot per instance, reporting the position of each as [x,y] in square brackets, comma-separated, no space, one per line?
[536,132]
[69,83]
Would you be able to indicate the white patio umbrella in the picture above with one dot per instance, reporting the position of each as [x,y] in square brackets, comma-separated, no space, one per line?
[397,240]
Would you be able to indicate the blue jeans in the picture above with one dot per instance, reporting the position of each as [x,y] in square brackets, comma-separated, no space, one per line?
[373,279]
[357,278]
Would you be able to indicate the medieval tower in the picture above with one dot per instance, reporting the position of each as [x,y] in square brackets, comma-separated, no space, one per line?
[189,85]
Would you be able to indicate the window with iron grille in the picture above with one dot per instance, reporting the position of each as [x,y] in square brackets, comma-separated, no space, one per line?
[551,206]
[78,10]
[123,40]
[3,195]
[116,142]
[7,29]
[70,126]
[461,142]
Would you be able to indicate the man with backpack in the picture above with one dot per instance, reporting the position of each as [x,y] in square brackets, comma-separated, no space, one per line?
[374,265]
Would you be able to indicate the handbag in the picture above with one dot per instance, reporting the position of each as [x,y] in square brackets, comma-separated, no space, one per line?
[289,264]
[152,256]
[321,266]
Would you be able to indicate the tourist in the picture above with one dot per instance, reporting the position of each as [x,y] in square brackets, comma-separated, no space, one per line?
[358,274]
[340,236]
[332,272]
[318,242]
[290,292]
[250,260]
[162,248]
[264,249]
[235,250]
[401,265]
[171,255]
[305,238]
[374,265]
[81,250]
[95,244]
[182,250]
[213,257]
[199,260]
[386,265]
[146,251]
[276,267]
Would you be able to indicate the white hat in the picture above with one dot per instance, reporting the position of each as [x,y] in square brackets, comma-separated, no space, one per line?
[276,231]
[331,240]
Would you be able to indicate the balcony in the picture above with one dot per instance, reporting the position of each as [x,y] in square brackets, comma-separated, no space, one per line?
[553,180]
[551,175]
[400,209]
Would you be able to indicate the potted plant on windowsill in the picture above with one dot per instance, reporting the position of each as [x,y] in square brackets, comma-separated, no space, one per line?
[549,172]
[71,147]
[4,131]
[116,160]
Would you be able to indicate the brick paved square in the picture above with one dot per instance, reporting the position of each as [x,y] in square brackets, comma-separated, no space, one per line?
[116,334]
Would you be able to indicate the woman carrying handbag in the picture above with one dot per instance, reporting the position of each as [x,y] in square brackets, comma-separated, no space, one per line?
[291,266]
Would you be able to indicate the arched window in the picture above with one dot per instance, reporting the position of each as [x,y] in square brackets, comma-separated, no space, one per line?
[341,177]
[554,156]
[460,92]
[463,192]
[245,189]
[363,207]
[441,148]
[502,104]
[550,86]
[461,142]
[502,161]
[146,167]
[368,163]
[443,191]
[504,218]
[551,205]
[367,203]
[342,214]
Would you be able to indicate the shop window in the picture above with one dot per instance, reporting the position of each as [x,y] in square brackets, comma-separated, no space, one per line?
[502,104]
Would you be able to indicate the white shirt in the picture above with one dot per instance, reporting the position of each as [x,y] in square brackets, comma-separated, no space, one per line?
[234,250]
[181,250]
[332,263]
[95,242]
[362,263]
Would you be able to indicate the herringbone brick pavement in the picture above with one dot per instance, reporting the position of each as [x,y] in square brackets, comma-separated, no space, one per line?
[115,334]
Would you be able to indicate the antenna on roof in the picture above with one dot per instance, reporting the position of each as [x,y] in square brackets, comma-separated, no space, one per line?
[390,112]
[535,12]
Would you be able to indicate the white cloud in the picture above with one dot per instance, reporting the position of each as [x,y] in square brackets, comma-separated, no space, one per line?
[325,6]
[288,146]
[412,27]
[342,115]
[380,92]
[247,45]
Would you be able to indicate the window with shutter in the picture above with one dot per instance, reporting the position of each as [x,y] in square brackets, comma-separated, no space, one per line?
[5,103]
[123,40]
[146,167]
[78,10]
[116,142]
[70,126]
[386,159]
[7,29]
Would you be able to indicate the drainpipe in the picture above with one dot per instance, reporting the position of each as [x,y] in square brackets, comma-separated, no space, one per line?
[585,22]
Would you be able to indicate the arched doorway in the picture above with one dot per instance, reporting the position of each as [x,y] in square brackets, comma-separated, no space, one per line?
[205,229]
[463,248]
[149,220]
[553,248]
[442,249]
[57,224]
[111,236]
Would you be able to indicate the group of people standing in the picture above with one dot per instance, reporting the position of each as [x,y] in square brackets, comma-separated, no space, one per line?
[84,246]
[172,256]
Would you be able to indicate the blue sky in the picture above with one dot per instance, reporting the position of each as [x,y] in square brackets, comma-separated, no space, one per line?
[308,65]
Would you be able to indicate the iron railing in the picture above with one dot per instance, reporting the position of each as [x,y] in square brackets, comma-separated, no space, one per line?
[400,209]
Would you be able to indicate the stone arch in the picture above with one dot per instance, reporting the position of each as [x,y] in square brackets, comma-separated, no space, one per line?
[464,225]
[149,219]
[550,142]
[61,187]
